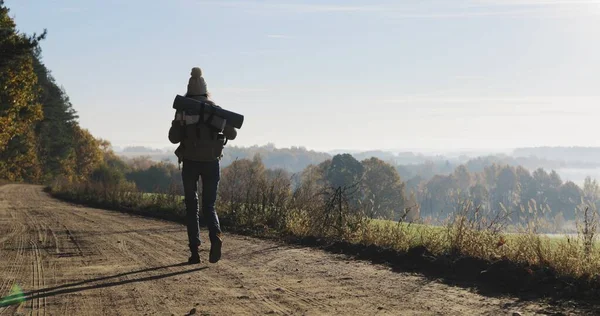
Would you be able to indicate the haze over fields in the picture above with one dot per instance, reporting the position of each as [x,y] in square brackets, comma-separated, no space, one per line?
[356,75]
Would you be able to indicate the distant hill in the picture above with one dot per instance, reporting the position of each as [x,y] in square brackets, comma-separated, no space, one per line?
[293,159]
[566,154]
[409,164]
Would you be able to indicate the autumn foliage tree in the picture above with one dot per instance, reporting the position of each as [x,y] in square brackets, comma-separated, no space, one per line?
[383,190]
[40,138]
[19,107]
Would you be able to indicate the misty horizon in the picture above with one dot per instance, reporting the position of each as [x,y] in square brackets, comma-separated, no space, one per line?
[398,150]
[466,75]
[569,163]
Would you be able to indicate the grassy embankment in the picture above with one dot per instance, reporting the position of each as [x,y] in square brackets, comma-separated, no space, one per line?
[466,247]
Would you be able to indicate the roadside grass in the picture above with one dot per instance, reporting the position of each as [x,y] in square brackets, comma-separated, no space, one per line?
[149,195]
[531,259]
[416,229]
[566,254]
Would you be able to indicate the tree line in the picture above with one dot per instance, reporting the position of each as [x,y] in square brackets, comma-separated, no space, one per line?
[383,193]
[412,168]
[40,138]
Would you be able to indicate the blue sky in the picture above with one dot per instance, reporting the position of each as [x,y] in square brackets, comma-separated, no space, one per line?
[362,75]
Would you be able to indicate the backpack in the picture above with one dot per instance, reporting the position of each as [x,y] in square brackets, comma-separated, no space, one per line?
[203,139]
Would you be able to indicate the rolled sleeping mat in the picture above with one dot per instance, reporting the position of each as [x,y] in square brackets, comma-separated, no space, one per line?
[195,107]
[218,123]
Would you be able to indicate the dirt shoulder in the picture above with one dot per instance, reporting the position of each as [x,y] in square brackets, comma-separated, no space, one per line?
[72,260]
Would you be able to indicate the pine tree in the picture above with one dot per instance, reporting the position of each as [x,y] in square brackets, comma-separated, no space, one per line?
[56,132]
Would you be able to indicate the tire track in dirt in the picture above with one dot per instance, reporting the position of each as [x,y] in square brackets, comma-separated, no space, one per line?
[13,228]
[37,237]
[140,240]
[10,266]
[55,241]
[15,239]
[128,246]
[125,243]
[34,233]
[109,253]
[14,269]
[37,279]
[87,261]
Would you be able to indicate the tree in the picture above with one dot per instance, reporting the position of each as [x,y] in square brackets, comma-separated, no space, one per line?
[344,170]
[242,181]
[438,196]
[413,210]
[481,197]
[87,155]
[555,181]
[462,178]
[157,178]
[55,132]
[312,179]
[569,198]
[140,163]
[541,181]
[107,176]
[13,45]
[39,136]
[591,192]
[110,158]
[490,176]
[19,111]
[591,189]
[547,188]
[18,161]
[311,184]
[382,188]
[414,184]
[527,185]
[232,182]
[507,192]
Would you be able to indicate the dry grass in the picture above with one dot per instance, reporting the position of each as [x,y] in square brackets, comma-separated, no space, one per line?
[123,196]
[567,255]
[269,204]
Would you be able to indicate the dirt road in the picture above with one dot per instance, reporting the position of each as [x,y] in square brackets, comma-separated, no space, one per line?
[72,260]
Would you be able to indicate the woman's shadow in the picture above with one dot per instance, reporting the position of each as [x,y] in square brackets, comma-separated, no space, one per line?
[98,283]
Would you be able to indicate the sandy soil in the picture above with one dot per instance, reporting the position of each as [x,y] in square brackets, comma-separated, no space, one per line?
[72,260]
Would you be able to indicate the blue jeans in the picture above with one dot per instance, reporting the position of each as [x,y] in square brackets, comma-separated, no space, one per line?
[210,174]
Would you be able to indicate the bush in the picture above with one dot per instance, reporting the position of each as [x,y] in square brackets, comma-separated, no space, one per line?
[107,176]
[156,178]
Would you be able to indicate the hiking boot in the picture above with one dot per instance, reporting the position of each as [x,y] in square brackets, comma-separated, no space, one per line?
[215,249]
[194,258]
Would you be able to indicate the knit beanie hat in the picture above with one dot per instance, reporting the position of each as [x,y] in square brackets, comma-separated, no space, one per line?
[196,85]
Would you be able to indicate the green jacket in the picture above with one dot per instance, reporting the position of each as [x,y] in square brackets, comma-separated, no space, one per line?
[199,142]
